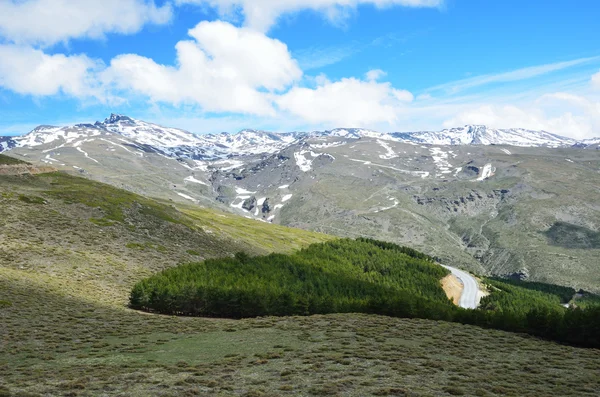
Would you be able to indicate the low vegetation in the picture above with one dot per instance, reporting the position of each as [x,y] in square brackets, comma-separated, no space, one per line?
[65,330]
[567,235]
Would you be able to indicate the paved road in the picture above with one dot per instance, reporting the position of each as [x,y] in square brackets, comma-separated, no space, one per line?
[468,299]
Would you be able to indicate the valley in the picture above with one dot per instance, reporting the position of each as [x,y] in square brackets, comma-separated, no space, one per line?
[72,249]
[467,196]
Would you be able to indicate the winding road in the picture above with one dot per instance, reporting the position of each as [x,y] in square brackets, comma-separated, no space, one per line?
[468,299]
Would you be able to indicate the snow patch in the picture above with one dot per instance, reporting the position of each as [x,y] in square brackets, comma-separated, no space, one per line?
[302,162]
[286,198]
[240,190]
[506,151]
[185,196]
[86,155]
[194,180]
[440,158]
[486,172]
[422,174]
[390,154]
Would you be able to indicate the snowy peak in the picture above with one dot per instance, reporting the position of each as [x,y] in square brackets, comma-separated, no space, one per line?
[252,142]
[149,134]
[350,133]
[482,135]
[46,134]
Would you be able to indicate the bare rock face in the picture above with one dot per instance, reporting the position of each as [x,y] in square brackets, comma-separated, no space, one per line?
[249,204]
[265,207]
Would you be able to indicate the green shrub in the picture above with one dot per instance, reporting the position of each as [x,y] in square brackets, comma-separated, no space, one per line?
[31,199]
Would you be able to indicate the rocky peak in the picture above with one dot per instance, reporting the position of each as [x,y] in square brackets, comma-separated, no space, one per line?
[115,118]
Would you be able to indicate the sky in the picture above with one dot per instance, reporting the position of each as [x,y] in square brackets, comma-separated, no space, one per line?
[209,66]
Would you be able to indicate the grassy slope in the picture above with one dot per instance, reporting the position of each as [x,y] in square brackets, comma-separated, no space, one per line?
[65,330]
[7,160]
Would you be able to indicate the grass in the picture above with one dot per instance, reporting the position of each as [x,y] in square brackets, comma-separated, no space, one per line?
[66,331]
[7,160]
[269,237]
[94,349]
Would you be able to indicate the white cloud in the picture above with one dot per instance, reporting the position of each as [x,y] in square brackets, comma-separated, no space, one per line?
[31,72]
[348,102]
[262,14]
[375,74]
[596,80]
[46,22]
[561,113]
[318,57]
[224,69]
[506,77]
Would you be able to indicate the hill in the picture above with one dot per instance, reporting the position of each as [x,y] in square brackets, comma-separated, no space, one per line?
[65,279]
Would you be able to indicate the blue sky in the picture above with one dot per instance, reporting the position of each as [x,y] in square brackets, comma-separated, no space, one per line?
[224,65]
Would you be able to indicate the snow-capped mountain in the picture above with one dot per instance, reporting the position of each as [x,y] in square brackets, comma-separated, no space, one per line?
[482,135]
[181,144]
[6,143]
[149,137]
[589,143]
[349,133]
[149,134]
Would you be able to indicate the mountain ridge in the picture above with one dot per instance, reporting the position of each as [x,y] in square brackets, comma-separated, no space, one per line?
[179,143]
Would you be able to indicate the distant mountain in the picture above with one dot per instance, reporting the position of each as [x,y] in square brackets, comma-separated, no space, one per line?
[593,143]
[482,135]
[6,143]
[178,143]
[149,137]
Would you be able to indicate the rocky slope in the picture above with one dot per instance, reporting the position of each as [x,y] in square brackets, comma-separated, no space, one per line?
[470,199]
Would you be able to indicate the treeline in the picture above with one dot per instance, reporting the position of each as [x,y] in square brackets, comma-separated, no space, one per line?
[565,294]
[395,247]
[535,308]
[351,276]
[587,300]
[333,277]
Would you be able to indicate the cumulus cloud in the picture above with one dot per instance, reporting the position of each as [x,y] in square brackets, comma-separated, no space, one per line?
[46,22]
[31,72]
[224,69]
[348,102]
[262,14]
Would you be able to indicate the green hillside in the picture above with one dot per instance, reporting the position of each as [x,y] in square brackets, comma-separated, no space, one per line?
[343,276]
[71,250]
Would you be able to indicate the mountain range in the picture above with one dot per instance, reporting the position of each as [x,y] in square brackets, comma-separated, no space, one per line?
[179,143]
[506,202]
